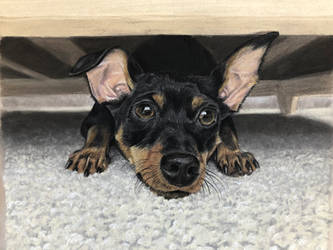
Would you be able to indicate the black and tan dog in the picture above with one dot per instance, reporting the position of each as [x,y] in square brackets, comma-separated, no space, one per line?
[167,106]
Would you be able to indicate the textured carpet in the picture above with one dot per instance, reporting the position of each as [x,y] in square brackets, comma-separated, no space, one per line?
[284,205]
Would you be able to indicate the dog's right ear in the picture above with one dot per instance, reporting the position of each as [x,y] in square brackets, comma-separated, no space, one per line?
[107,73]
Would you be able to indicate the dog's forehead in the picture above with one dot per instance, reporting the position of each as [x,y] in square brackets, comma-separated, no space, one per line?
[167,91]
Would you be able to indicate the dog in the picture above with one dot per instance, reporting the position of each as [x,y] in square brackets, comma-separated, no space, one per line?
[168,107]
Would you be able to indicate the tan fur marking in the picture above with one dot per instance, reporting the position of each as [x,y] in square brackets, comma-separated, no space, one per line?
[147,163]
[159,99]
[95,156]
[93,132]
[223,150]
[227,157]
[218,141]
[125,149]
[206,156]
[235,140]
[196,102]
[91,135]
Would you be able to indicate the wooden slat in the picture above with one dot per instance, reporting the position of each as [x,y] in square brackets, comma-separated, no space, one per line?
[288,91]
[56,18]
[75,8]
[169,24]
[316,56]
[21,68]
[63,49]
[28,87]
[11,73]
[22,51]
[315,84]
[287,46]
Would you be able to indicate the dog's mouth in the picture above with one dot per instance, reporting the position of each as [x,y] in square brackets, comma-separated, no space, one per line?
[166,194]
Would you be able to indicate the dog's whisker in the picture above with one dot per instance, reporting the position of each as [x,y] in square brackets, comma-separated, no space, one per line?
[215,189]
[138,186]
[212,184]
[208,188]
[215,178]
[203,188]
[215,175]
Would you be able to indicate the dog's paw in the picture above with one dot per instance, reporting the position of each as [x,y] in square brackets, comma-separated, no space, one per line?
[236,163]
[88,161]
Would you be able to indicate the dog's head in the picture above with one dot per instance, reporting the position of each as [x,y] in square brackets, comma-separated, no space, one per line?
[167,126]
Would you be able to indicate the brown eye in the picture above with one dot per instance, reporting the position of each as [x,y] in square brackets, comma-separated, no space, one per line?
[207,117]
[145,111]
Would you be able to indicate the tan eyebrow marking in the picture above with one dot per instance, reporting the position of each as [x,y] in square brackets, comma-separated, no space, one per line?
[159,99]
[196,102]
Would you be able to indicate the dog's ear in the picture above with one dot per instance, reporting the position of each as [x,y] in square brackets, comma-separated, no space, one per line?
[241,70]
[107,73]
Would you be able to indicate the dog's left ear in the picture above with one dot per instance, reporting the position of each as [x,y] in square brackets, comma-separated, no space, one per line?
[107,73]
[241,70]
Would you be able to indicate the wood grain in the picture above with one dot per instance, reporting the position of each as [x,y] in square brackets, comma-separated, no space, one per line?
[314,84]
[168,24]
[286,48]
[28,87]
[123,17]
[38,8]
[23,69]
[63,49]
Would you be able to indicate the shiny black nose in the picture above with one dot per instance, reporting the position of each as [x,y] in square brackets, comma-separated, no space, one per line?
[180,169]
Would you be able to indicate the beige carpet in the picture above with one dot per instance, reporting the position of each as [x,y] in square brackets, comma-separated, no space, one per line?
[285,205]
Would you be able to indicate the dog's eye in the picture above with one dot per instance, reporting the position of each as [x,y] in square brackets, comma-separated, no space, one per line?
[144,111]
[207,117]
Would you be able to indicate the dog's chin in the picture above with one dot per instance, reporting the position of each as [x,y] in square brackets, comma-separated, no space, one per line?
[166,194]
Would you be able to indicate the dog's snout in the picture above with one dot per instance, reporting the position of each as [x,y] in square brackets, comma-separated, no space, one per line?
[180,169]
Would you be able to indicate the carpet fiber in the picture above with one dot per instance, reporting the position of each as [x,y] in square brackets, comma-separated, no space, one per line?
[284,205]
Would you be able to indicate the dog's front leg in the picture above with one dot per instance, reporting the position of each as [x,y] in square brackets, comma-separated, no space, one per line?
[98,130]
[229,158]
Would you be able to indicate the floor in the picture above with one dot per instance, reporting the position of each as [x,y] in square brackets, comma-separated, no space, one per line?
[284,205]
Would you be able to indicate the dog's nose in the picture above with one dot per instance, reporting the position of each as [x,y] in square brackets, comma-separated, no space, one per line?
[180,169]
